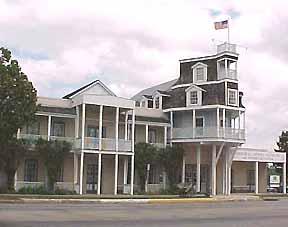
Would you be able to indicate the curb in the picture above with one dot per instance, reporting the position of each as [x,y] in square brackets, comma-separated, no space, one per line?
[131,201]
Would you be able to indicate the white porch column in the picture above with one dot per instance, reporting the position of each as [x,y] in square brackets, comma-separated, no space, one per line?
[133,149]
[125,171]
[218,120]
[193,123]
[224,121]
[244,120]
[75,168]
[100,127]
[228,173]
[183,169]
[81,173]
[284,178]
[132,175]
[116,175]
[171,128]
[99,173]
[256,177]
[198,161]
[77,119]
[49,127]
[224,172]
[239,120]
[117,129]
[165,136]
[126,125]
[83,126]
[146,133]
[213,174]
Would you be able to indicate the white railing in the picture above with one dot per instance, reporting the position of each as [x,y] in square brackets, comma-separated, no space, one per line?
[26,184]
[32,139]
[61,138]
[124,145]
[91,143]
[226,47]
[231,74]
[108,144]
[158,145]
[208,133]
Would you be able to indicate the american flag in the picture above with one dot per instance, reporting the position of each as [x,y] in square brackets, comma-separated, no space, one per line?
[221,24]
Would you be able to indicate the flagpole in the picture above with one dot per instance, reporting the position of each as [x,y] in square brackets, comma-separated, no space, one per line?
[228,32]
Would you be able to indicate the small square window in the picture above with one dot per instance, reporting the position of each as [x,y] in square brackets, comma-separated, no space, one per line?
[193,97]
[232,97]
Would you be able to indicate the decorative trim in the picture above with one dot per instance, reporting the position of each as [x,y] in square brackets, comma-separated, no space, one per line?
[204,83]
[208,57]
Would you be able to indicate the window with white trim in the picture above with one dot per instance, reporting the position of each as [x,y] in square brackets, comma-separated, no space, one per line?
[193,97]
[232,97]
[200,74]
[157,102]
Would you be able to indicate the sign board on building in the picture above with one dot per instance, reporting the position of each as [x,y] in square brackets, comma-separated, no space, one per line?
[259,156]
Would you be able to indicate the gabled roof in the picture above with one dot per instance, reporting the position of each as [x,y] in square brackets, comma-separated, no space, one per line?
[194,86]
[149,91]
[82,89]
[162,93]
[147,96]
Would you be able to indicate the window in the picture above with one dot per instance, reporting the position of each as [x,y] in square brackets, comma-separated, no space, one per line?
[33,129]
[199,122]
[143,104]
[31,170]
[152,136]
[93,131]
[193,97]
[232,97]
[251,177]
[200,74]
[157,102]
[59,129]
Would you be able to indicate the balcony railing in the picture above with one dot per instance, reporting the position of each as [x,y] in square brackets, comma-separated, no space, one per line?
[231,74]
[226,47]
[209,133]
[32,139]
[108,144]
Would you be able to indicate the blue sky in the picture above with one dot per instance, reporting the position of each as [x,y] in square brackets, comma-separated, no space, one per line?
[131,45]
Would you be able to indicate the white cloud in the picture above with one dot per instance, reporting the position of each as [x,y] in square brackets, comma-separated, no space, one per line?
[131,45]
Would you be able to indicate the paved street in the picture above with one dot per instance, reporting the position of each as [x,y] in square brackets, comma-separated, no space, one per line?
[257,213]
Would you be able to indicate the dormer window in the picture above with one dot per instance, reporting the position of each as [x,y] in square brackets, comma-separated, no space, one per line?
[194,95]
[199,72]
[232,97]
[143,104]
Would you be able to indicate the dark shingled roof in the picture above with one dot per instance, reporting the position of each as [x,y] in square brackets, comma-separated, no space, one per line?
[60,110]
[78,90]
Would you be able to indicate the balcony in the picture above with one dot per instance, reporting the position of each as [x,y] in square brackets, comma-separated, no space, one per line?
[224,47]
[108,144]
[209,133]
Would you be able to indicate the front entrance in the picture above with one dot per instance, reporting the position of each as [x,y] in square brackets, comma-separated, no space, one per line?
[92,178]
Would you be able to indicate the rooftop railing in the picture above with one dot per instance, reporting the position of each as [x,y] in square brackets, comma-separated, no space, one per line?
[226,47]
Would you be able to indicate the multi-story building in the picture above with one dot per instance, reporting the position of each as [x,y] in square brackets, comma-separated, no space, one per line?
[202,110]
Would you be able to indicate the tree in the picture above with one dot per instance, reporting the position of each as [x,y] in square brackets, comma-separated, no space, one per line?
[171,159]
[282,146]
[15,150]
[17,108]
[53,154]
[145,153]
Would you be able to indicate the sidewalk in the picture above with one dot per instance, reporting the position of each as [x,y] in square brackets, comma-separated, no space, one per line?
[146,199]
